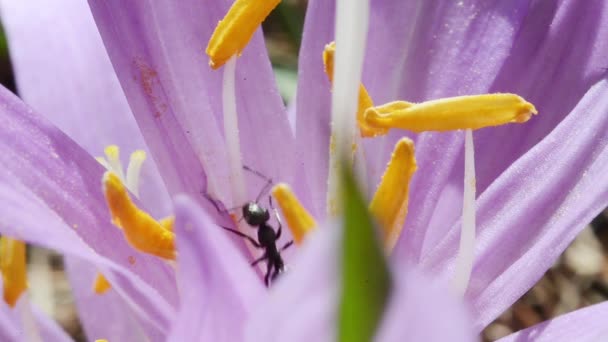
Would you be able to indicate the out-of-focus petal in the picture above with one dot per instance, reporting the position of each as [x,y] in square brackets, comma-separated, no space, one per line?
[157,49]
[218,287]
[583,325]
[63,71]
[303,306]
[530,214]
[24,320]
[51,196]
[104,316]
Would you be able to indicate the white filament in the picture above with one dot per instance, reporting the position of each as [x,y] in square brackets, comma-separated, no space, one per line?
[134,170]
[352,18]
[231,133]
[466,251]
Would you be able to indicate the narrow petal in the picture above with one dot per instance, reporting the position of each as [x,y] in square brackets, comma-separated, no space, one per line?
[55,49]
[104,316]
[313,108]
[157,49]
[583,325]
[532,212]
[218,287]
[46,173]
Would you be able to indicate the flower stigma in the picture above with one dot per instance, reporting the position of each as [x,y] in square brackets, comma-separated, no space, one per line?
[453,113]
[232,33]
[13,268]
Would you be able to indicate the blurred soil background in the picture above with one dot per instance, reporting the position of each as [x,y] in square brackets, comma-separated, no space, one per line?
[578,279]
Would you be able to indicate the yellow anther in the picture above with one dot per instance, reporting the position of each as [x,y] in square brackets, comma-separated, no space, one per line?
[12,266]
[389,205]
[101,340]
[365,101]
[232,34]
[167,222]
[463,112]
[101,285]
[299,221]
[142,231]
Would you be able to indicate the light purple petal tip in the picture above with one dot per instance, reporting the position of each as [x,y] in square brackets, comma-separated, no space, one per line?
[218,287]
[583,325]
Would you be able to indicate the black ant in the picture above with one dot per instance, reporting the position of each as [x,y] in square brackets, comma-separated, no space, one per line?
[257,216]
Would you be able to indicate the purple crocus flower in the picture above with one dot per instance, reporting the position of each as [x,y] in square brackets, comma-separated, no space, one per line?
[539,183]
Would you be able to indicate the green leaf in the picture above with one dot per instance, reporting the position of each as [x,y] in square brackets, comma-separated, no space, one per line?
[366,279]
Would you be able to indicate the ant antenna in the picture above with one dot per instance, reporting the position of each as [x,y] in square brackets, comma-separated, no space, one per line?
[266,186]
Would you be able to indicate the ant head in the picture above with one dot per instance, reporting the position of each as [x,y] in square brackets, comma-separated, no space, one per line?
[254,214]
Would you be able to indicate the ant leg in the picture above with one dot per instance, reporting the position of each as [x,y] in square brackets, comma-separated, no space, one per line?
[257,261]
[267,276]
[287,245]
[266,186]
[252,240]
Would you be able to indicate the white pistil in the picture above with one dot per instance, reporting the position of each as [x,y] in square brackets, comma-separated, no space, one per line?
[133,171]
[352,18]
[113,157]
[231,133]
[466,250]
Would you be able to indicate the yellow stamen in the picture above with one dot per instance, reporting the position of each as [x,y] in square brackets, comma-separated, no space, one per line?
[101,285]
[167,222]
[101,340]
[142,231]
[232,34]
[299,221]
[12,266]
[389,205]
[464,112]
[365,101]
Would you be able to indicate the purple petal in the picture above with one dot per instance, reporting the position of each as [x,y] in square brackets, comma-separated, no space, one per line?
[583,325]
[13,325]
[104,316]
[218,287]
[548,52]
[46,173]
[157,49]
[313,108]
[303,306]
[530,214]
[63,71]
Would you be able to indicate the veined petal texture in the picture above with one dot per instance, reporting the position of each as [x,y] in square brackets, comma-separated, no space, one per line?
[157,49]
